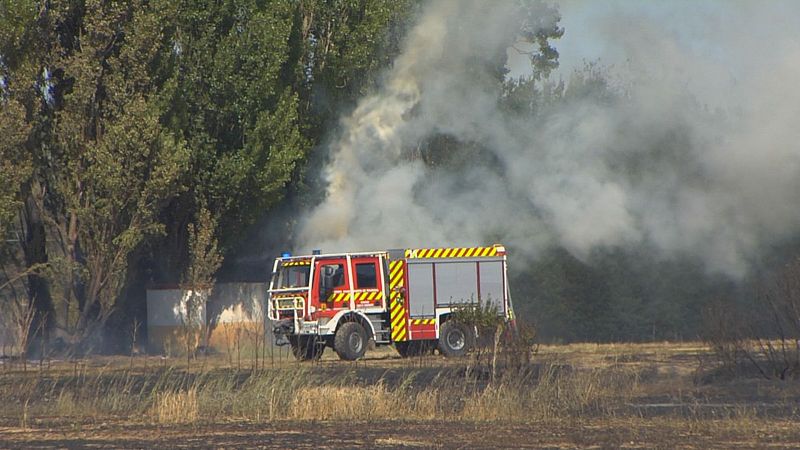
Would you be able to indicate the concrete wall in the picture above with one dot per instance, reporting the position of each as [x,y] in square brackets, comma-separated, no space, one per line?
[235,314]
[167,316]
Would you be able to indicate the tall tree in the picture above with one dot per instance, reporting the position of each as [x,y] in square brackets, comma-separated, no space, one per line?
[104,164]
[24,122]
[224,96]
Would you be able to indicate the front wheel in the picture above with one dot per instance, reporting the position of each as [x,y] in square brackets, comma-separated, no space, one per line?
[455,339]
[350,341]
[307,348]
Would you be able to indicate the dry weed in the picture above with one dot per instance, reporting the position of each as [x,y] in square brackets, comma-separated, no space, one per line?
[176,407]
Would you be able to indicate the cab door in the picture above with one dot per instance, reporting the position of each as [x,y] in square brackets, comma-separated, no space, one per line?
[368,280]
[331,289]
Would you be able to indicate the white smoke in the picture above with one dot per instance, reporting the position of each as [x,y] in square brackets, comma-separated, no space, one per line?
[697,158]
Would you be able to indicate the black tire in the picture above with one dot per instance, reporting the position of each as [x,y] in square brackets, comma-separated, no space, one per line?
[350,341]
[455,339]
[307,348]
[409,349]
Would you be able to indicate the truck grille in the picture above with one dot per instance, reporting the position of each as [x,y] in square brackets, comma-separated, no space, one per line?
[288,303]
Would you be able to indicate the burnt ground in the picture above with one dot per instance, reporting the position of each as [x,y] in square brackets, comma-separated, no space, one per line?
[680,402]
[605,433]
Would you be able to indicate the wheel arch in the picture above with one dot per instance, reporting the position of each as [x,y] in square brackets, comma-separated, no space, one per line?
[441,318]
[354,316]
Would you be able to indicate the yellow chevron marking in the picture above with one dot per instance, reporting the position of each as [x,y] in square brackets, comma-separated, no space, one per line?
[397,313]
[397,280]
[423,321]
[339,297]
[397,320]
[456,252]
[396,308]
[395,270]
[400,335]
[296,263]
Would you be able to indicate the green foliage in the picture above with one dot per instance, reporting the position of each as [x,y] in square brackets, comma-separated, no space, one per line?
[15,166]
[223,94]
[104,163]
[483,314]
[204,254]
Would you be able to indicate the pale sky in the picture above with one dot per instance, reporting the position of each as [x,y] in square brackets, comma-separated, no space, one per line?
[715,30]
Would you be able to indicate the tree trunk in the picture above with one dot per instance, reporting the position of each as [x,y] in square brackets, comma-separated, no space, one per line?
[34,247]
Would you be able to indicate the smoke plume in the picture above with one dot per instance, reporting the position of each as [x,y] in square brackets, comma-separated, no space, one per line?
[690,156]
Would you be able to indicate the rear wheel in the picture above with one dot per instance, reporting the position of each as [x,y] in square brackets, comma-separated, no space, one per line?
[350,341]
[455,339]
[306,348]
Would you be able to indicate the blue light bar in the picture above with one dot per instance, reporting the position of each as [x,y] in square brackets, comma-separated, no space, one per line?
[285,255]
[316,252]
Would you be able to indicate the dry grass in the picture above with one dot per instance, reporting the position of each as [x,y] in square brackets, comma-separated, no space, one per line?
[360,403]
[176,407]
[309,392]
[650,383]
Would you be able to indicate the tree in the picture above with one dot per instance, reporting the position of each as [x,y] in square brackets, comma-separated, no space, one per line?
[198,282]
[104,166]
[221,67]
[23,122]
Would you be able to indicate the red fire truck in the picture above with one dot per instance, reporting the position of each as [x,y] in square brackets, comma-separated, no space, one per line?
[404,298]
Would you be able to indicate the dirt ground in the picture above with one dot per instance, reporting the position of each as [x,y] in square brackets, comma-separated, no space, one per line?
[678,403]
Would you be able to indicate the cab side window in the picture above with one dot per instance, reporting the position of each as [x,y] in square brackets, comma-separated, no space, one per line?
[366,276]
[338,275]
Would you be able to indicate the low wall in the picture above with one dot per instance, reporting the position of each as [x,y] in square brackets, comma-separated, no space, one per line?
[234,315]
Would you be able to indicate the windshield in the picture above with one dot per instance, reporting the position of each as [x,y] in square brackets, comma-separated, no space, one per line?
[292,275]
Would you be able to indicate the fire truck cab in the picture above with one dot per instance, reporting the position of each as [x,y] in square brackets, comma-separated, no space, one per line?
[401,297]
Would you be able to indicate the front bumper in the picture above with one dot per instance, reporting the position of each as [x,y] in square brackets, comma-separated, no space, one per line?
[286,327]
